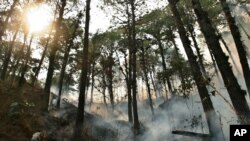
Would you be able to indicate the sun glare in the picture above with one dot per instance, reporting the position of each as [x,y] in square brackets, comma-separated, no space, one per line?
[38,18]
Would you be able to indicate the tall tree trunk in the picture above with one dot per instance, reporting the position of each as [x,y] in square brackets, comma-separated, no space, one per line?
[25,65]
[69,44]
[92,83]
[153,83]
[239,44]
[197,74]
[37,71]
[226,46]
[129,67]
[213,61]
[166,77]
[244,30]
[144,68]
[52,55]
[127,75]
[243,5]
[134,83]
[15,68]
[200,57]
[18,59]
[236,94]
[180,71]
[8,56]
[104,88]
[130,98]
[110,79]
[83,78]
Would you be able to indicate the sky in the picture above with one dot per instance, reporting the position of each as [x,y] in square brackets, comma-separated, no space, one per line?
[100,19]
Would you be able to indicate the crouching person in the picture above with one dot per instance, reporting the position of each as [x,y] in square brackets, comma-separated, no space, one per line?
[39,136]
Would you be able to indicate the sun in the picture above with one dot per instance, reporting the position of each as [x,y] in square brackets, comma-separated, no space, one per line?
[38,18]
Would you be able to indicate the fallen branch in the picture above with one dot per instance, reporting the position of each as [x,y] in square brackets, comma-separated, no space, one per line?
[192,134]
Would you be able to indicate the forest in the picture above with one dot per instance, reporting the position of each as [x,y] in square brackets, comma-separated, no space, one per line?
[116,70]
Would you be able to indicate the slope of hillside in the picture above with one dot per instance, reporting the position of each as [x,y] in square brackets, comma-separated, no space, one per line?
[20,112]
[21,115]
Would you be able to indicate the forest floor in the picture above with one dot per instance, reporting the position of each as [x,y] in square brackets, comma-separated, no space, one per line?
[20,112]
[21,116]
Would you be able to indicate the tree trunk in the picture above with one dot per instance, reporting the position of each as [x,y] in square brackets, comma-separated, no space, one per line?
[239,44]
[127,75]
[83,78]
[244,30]
[110,79]
[18,60]
[180,71]
[197,74]
[104,88]
[200,57]
[129,86]
[25,65]
[52,55]
[129,66]
[227,48]
[147,81]
[243,6]
[236,94]
[166,77]
[134,85]
[69,44]
[45,50]
[8,56]
[92,83]
[153,83]
[41,60]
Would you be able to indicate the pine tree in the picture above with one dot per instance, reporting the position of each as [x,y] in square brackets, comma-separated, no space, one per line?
[197,74]
[83,78]
[236,94]
[52,55]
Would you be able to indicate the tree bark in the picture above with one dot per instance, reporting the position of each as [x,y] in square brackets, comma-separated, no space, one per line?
[134,83]
[92,83]
[197,74]
[244,30]
[52,55]
[237,95]
[166,77]
[83,78]
[239,44]
[180,71]
[8,56]
[153,83]
[200,57]
[69,44]
[18,60]
[227,47]
[129,67]
[25,65]
[42,59]
[110,79]
[104,88]
[144,68]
